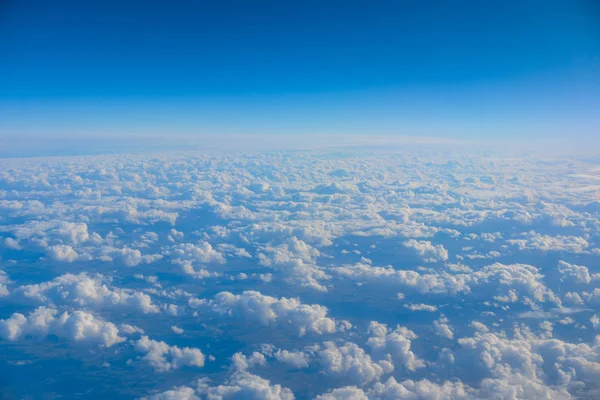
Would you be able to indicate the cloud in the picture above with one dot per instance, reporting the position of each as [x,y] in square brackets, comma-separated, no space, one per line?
[163,357]
[296,260]
[396,343]
[244,385]
[296,359]
[62,253]
[78,326]
[265,310]
[350,361]
[420,307]
[4,282]
[86,290]
[574,273]
[429,252]
[241,362]
[12,244]
[442,328]
[536,241]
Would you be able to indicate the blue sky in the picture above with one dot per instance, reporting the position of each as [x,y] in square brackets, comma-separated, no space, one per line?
[465,69]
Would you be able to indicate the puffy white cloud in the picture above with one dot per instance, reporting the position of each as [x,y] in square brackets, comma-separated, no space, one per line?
[441,282]
[345,393]
[419,390]
[536,241]
[405,390]
[78,326]
[178,393]
[296,359]
[442,328]
[86,290]
[12,244]
[574,273]
[429,252]
[254,306]
[421,307]
[4,281]
[177,330]
[350,361]
[241,362]
[64,253]
[396,343]
[244,385]
[295,259]
[529,366]
[163,357]
[202,253]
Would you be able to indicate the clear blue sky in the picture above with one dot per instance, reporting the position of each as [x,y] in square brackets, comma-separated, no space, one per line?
[476,69]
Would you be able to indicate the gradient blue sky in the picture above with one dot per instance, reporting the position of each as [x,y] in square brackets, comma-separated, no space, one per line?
[460,69]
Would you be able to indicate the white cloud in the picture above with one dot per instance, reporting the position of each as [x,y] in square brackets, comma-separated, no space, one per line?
[63,253]
[536,241]
[4,281]
[442,328]
[396,343]
[296,359]
[429,252]
[241,362]
[12,244]
[243,385]
[78,326]
[574,273]
[85,290]
[350,361]
[421,307]
[254,306]
[163,357]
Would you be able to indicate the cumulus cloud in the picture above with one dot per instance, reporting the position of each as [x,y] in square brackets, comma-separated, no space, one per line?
[429,252]
[78,326]
[296,359]
[240,385]
[163,357]
[63,253]
[241,362]
[536,241]
[265,310]
[349,360]
[396,343]
[574,273]
[87,290]
[296,260]
[442,328]
[4,281]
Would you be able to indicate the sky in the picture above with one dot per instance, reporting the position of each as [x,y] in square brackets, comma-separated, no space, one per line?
[463,70]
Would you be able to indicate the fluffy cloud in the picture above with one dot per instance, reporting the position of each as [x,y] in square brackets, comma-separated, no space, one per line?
[163,357]
[254,306]
[396,343]
[429,252]
[349,360]
[86,290]
[295,259]
[442,328]
[296,359]
[574,273]
[4,281]
[536,241]
[62,253]
[240,385]
[78,326]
